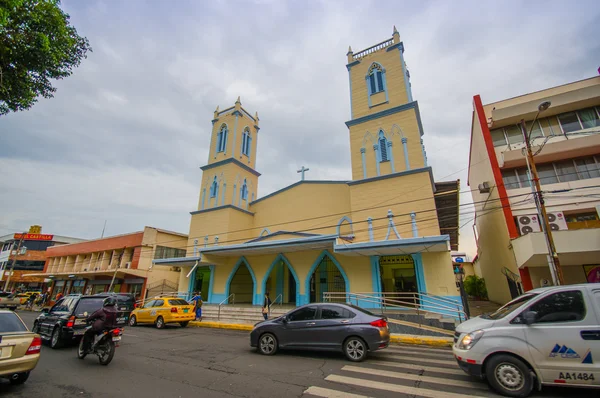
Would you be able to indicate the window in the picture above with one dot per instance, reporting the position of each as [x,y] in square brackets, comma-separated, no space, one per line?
[375,79]
[178,302]
[524,178]
[569,122]
[214,188]
[383,154]
[514,134]
[587,168]
[509,307]
[498,137]
[168,252]
[149,304]
[244,191]
[110,258]
[159,303]
[65,305]
[10,323]
[589,118]
[222,139]
[304,314]
[88,305]
[551,173]
[581,217]
[536,131]
[335,312]
[560,307]
[565,171]
[547,174]
[246,143]
[510,179]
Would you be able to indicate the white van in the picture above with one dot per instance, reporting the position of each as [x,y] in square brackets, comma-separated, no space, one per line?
[548,336]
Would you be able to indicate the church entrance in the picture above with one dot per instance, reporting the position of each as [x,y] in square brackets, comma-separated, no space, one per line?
[327,278]
[242,285]
[282,284]
[399,279]
[201,282]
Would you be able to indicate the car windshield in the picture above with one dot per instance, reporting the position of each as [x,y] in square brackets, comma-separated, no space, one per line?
[10,323]
[88,305]
[65,305]
[360,310]
[509,307]
[178,302]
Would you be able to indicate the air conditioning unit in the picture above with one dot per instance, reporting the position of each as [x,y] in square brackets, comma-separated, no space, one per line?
[528,223]
[128,264]
[557,221]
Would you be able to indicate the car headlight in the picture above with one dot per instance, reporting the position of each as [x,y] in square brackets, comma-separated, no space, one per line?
[470,339]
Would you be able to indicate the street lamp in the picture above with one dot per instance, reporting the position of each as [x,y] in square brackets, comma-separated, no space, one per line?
[553,262]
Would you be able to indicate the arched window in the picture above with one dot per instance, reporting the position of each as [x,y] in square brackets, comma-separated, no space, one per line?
[222,139]
[244,191]
[246,142]
[383,154]
[214,188]
[375,79]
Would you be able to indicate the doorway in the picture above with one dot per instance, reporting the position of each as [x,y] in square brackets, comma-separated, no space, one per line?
[201,282]
[399,278]
[327,277]
[281,283]
[242,285]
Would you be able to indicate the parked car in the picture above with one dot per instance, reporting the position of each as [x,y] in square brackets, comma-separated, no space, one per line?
[19,348]
[548,336]
[10,301]
[66,321]
[324,326]
[24,296]
[163,310]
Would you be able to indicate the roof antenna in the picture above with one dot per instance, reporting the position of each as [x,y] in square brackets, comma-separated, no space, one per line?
[103,229]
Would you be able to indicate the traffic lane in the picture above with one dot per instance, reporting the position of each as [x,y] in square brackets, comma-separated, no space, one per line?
[176,362]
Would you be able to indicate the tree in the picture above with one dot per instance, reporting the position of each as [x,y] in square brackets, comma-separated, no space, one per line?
[37,44]
[475,287]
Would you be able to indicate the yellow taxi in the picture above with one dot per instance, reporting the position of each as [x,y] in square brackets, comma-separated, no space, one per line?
[163,310]
[25,296]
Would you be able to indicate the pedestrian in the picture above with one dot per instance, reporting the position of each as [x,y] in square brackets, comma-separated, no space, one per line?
[197,299]
[266,308]
[59,296]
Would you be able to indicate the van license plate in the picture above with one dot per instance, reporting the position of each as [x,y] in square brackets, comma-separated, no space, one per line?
[78,332]
[118,338]
[185,310]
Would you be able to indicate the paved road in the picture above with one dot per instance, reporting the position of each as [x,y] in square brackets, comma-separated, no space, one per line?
[190,362]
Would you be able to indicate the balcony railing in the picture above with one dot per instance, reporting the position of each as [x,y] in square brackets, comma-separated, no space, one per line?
[374,48]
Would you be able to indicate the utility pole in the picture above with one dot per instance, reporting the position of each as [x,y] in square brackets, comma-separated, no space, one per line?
[556,271]
[116,269]
[12,267]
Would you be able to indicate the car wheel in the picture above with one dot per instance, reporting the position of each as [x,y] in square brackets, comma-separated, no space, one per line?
[267,344]
[56,339]
[19,378]
[184,324]
[81,352]
[133,321]
[355,349]
[509,376]
[160,323]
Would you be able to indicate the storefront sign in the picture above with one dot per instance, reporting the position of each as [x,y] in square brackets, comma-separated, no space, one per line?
[34,237]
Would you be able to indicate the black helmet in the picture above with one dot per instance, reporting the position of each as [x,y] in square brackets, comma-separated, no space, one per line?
[110,302]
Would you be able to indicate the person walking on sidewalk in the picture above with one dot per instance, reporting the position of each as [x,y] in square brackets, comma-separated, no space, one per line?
[266,308]
[197,299]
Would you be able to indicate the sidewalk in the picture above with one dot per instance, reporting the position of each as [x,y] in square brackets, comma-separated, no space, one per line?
[394,338]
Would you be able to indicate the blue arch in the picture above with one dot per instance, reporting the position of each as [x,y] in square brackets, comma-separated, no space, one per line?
[267,230]
[323,254]
[281,257]
[339,225]
[235,268]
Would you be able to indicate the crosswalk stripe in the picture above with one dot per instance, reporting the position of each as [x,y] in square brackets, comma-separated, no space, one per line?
[417,367]
[400,347]
[422,392]
[407,376]
[417,359]
[425,353]
[328,393]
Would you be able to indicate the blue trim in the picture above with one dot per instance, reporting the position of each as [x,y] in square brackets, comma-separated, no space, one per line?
[390,152]
[405,74]
[364,161]
[351,64]
[216,298]
[267,230]
[227,161]
[211,283]
[350,84]
[395,46]
[425,240]
[418,260]
[418,114]
[405,147]
[241,260]
[401,173]
[234,133]
[176,260]
[270,244]
[281,257]
[315,265]
[203,198]
[298,183]
[376,275]
[233,194]
[279,283]
[423,153]
[223,194]
[413,221]
[236,113]
[221,207]
[345,218]
[377,157]
[383,113]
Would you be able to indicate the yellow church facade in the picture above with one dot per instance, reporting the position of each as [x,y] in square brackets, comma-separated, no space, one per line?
[388,230]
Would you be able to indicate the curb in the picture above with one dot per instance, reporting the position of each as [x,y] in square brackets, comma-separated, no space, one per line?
[394,338]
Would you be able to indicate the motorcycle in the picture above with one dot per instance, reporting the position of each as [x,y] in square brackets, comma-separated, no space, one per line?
[104,345]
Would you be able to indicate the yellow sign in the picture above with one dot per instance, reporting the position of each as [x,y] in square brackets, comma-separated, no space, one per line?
[35,229]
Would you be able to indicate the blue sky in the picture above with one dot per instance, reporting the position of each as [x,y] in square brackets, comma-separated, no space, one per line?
[125,135]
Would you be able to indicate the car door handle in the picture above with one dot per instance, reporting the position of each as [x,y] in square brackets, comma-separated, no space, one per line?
[310,323]
[590,334]
[345,321]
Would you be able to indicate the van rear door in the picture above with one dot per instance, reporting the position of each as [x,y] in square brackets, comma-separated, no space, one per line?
[556,344]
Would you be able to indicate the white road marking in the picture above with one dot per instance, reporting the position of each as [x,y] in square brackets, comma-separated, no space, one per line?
[328,393]
[418,359]
[407,376]
[421,392]
[418,348]
[418,353]
[418,367]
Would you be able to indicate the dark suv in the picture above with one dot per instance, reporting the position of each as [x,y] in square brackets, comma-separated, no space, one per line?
[66,320]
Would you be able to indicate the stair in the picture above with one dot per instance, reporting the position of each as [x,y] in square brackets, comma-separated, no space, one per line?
[426,319]
[244,314]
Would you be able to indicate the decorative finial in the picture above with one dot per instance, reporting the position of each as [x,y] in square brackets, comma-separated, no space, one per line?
[256,115]
[238,101]
[217,110]
[395,30]
[349,50]
[396,35]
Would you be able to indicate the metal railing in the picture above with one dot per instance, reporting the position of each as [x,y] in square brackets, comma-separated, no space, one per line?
[422,303]
[374,48]
[231,296]
[280,298]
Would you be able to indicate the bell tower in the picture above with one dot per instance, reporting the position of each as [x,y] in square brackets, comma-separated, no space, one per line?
[385,127]
[229,177]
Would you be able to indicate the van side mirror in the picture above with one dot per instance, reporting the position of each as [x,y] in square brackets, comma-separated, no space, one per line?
[529,317]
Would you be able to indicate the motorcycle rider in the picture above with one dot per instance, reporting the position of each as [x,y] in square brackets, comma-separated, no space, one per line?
[102,318]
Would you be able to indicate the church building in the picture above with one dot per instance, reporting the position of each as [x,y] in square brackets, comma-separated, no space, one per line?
[387,231]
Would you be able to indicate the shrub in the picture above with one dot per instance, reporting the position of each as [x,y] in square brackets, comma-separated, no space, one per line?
[475,286]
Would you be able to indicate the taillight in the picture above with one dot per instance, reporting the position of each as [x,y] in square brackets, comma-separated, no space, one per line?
[71,322]
[35,347]
[380,323]
[116,332]
[173,309]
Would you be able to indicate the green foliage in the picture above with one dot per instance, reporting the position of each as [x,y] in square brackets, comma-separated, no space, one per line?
[475,286]
[37,44]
